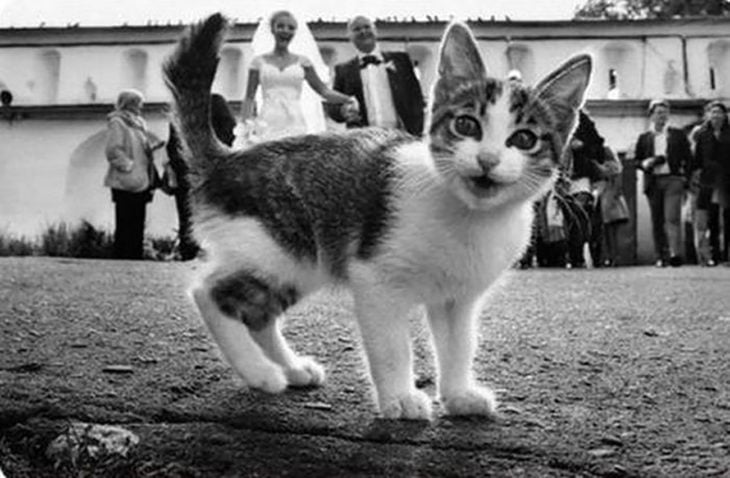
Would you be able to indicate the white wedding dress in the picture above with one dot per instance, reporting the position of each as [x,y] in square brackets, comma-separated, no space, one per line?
[280,112]
[286,105]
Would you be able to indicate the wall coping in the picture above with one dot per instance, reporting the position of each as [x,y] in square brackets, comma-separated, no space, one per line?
[601,108]
[399,31]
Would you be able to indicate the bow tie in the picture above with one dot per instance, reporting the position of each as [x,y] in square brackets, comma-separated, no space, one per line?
[369,60]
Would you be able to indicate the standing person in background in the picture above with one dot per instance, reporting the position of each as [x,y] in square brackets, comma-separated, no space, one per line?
[663,154]
[695,228]
[584,153]
[384,83]
[711,167]
[131,176]
[551,245]
[611,206]
[223,122]
[514,78]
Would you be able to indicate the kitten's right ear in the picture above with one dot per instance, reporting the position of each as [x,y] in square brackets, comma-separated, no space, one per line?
[459,55]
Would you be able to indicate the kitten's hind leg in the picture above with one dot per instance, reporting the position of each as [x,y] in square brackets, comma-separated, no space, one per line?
[229,309]
[453,326]
[299,371]
[383,320]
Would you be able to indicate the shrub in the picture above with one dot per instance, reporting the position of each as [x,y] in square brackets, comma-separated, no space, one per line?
[55,241]
[89,242]
[80,241]
[14,246]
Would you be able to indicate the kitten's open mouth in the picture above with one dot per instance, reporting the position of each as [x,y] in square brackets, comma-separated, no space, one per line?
[482,186]
[482,182]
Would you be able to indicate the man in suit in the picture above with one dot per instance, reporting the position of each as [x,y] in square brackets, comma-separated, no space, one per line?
[384,84]
[663,154]
[711,170]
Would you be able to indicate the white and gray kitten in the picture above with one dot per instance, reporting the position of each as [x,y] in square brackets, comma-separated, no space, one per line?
[403,222]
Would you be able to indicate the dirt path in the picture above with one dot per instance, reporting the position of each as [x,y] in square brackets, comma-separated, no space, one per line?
[609,373]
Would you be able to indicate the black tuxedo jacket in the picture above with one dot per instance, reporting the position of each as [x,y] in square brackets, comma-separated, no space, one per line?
[407,95]
[712,157]
[679,154]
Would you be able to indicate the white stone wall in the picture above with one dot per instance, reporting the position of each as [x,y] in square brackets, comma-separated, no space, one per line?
[52,171]
[646,68]
[96,73]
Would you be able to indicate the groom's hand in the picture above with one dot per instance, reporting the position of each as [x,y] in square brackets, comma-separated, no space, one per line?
[351,111]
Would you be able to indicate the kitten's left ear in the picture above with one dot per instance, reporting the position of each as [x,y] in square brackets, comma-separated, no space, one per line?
[459,54]
[564,91]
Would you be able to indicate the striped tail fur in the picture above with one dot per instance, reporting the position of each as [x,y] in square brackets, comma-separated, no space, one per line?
[189,74]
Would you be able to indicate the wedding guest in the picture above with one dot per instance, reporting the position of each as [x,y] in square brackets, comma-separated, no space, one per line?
[611,207]
[712,165]
[584,154]
[514,78]
[223,122]
[663,154]
[551,245]
[696,240]
[384,83]
[131,175]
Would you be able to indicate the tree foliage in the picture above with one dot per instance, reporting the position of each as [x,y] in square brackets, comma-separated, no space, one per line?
[640,9]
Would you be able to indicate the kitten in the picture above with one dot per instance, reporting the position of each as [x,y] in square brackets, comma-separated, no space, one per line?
[403,222]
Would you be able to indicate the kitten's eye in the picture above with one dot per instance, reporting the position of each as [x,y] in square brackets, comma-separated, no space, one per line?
[523,139]
[466,126]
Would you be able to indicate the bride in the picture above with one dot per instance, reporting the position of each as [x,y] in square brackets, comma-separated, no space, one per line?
[286,108]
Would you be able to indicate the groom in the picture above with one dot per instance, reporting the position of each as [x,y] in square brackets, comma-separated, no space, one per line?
[384,84]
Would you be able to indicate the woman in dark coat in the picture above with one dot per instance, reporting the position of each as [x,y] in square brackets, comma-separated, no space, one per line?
[712,165]
[584,155]
[223,123]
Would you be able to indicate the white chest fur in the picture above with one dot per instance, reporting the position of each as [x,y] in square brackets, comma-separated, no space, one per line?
[440,249]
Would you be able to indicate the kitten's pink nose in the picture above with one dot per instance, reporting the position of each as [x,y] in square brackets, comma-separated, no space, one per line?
[487,160]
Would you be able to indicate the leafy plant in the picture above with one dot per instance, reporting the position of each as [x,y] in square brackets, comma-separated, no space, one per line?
[55,240]
[639,9]
[81,241]
[15,246]
[89,242]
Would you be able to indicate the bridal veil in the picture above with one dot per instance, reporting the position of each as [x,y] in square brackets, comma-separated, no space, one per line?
[304,44]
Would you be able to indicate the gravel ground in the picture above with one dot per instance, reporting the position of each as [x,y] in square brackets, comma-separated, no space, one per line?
[609,372]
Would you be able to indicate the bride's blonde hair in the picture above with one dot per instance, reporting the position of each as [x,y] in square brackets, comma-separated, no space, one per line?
[281,13]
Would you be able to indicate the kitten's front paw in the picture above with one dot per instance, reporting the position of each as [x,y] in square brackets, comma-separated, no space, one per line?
[414,405]
[306,373]
[269,379]
[472,401]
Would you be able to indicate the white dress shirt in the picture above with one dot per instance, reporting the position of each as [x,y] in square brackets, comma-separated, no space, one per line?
[660,149]
[377,93]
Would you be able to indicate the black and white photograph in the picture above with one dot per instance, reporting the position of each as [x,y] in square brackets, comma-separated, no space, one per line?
[318,238]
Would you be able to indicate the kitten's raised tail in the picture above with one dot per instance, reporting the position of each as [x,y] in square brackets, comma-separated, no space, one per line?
[189,74]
